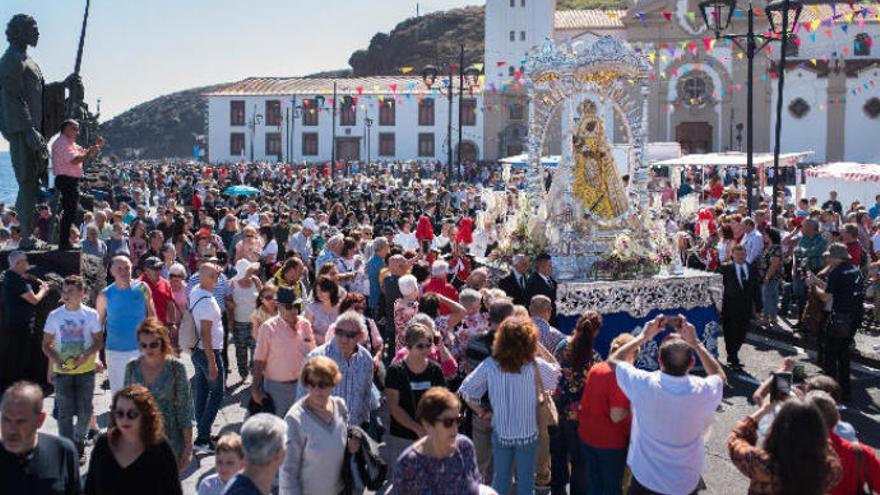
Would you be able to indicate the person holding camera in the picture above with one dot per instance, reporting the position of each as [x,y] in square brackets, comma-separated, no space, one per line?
[843,290]
[671,408]
[796,456]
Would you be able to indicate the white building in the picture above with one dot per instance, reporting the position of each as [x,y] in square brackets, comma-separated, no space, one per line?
[698,95]
[383,118]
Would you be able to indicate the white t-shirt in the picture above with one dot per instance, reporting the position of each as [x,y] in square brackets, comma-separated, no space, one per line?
[670,414]
[207,309]
[406,241]
[73,332]
[270,249]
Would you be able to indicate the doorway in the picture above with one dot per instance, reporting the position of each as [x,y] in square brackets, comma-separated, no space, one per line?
[694,137]
[348,149]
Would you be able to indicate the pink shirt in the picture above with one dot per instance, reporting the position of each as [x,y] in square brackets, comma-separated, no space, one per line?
[63,152]
[283,349]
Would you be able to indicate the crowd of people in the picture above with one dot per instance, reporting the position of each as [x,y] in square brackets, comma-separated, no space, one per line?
[357,313]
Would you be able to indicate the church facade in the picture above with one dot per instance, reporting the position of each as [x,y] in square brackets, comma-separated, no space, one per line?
[697,97]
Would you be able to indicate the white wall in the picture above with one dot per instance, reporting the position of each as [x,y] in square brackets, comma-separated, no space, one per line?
[808,133]
[406,129]
[860,138]
[536,19]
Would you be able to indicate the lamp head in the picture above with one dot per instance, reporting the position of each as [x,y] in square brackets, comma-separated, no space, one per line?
[783,15]
[717,14]
[429,75]
[472,76]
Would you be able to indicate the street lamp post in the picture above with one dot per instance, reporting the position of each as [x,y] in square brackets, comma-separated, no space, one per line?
[369,123]
[717,15]
[297,113]
[468,75]
[781,10]
[256,119]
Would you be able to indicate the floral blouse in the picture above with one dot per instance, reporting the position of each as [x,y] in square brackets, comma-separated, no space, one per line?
[571,382]
[471,324]
[454,475]
[755,462]
[403,312]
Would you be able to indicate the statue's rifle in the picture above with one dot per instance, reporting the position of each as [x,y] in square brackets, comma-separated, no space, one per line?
[82,40]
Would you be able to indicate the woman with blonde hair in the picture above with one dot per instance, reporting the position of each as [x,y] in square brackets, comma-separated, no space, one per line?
[133,457]
[317,433]
[165,377]
[518,367]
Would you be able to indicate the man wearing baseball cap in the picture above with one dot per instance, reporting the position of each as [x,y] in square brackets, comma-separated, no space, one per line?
[843,290]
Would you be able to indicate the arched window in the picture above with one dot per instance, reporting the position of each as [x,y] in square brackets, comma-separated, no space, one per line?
[862,45]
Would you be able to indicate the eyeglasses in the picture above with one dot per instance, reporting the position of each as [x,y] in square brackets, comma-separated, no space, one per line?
[348,334]
[131,414]
[150,345]
[291,306]
[177,276]
[321,384]
[268,298]
[449,422]
[422,346]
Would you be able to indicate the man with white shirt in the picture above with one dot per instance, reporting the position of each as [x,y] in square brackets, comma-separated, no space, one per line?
[752,240]
[405,238]
[671,409]
[207,358]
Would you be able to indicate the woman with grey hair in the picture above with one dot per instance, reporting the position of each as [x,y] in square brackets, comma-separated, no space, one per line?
[264,442]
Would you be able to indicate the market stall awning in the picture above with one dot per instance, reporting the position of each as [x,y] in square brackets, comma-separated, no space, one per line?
[734,159]
[522,161]
[848,171]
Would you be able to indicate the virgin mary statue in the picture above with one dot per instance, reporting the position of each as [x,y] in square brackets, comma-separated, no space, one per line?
[596,182]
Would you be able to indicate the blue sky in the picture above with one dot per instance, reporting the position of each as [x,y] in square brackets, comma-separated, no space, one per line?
[136,51]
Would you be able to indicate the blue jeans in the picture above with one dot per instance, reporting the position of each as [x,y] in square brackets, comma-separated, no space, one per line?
[207,393]
[770,298]
[73,397]
[566,455]
[524,458]
[605,470]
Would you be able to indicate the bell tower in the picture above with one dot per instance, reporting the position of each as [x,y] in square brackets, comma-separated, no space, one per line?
[513,27]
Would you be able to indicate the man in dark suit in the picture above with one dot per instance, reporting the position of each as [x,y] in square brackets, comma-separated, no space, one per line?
[514,284]
[542,282]
[742,286]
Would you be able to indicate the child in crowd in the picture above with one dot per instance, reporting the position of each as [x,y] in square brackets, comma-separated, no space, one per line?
[228,461]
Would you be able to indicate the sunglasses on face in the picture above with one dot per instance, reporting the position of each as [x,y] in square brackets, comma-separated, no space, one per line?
[131,414]
[320,384]
[349,334]
[268,298]
[177,276]
[422,346]
[292,306]
[449,422]
[150,345]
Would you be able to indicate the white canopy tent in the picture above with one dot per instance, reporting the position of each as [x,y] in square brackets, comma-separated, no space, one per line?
[852,181]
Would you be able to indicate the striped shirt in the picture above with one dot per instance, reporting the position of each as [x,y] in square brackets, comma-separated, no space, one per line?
[221,291]
[513,397]
[356,386]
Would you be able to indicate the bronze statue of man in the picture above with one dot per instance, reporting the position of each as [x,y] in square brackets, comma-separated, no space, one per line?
[31,112]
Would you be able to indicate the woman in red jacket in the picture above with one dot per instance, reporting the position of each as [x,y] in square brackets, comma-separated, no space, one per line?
[603,425]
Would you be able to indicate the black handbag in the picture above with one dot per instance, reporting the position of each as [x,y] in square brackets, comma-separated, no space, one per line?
[267,406]
[839,326]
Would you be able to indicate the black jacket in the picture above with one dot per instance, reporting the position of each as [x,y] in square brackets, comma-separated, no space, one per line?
[740,302]
[512,288]
[537,286]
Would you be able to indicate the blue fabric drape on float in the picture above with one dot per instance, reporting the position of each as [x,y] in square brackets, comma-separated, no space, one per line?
[705,319]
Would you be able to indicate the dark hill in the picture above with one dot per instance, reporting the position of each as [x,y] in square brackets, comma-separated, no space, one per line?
[167,126]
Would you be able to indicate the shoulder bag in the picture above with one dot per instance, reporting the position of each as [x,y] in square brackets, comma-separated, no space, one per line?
[547,413]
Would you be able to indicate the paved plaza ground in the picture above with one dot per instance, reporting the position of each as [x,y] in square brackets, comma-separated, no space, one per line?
[761,356]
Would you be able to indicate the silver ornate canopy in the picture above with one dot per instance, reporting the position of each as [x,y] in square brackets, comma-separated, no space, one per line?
[558,76]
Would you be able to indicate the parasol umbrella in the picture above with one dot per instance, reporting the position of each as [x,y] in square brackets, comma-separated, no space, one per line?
[241,191]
